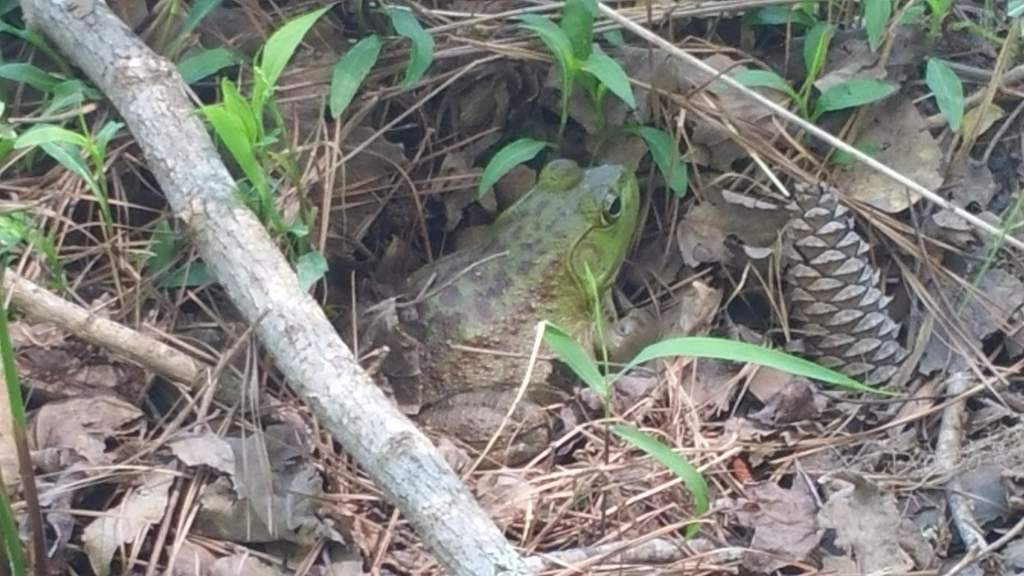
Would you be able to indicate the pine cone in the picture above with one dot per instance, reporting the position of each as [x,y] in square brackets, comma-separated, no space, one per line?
[834,294]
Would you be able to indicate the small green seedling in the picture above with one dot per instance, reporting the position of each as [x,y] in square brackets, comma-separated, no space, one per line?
[937,12]
[68,147]
[17,228]
[659,143]
[579,60]
[849,94]
[239,124]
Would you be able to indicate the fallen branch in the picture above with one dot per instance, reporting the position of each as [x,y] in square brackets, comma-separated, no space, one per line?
[39,304]
[149,93]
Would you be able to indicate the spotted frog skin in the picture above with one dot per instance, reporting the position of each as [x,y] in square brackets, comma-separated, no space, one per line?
[530,266]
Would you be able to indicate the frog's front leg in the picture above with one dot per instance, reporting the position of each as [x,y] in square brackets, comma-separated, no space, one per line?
[474,416]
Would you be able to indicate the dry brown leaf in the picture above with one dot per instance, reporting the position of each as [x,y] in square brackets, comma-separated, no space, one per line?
[506,495]
[127,522]
[985,116]
[79,428]
[784,524]
[191,560]
[900,135]
[271,496]
[799,401]
[242,564]
[206,449]
[871,527]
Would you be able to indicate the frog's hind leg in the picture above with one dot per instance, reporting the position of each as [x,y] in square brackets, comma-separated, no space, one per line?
[475,415]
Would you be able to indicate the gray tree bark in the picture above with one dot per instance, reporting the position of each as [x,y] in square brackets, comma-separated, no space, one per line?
[149,93]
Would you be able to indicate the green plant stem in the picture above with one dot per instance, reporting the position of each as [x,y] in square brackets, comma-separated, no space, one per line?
[28,481]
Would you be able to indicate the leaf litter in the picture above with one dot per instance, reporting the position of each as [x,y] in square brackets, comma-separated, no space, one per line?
[266,487]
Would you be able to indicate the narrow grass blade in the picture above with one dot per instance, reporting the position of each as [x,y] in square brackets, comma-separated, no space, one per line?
[31,75]
[722,349]
[815,49]
[576,358]
[679,466]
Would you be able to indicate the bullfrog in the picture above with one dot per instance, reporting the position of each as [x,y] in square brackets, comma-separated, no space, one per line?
[474,312]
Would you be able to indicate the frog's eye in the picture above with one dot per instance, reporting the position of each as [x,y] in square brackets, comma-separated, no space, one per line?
[611,208]
[560,175]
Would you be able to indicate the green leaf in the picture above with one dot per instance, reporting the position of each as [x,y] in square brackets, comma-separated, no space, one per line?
[164,247]
[551,35]
[236,105]
[31,75]
[678,465]
[199,10]
[189,276]
[422,53]
[852,93]
[764,79]
[723,349]
[666,158]
[206,63]
[576,358]
[816,49]
[105,135]
[510,156]
[615,38]
[69,95]
[13,229]
[779,15]
[578,24]
[948,90]
[876,16]
[844,158]
[283,43]
[232,132]
[38,41]
[310,268]
[47,133]
[70,157]
[561,48]
[913,14]
[350,72]
[611,74]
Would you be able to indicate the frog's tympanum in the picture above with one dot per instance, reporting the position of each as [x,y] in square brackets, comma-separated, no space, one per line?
[476,310]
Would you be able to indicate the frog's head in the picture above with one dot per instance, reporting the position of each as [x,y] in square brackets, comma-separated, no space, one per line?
[600,208]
